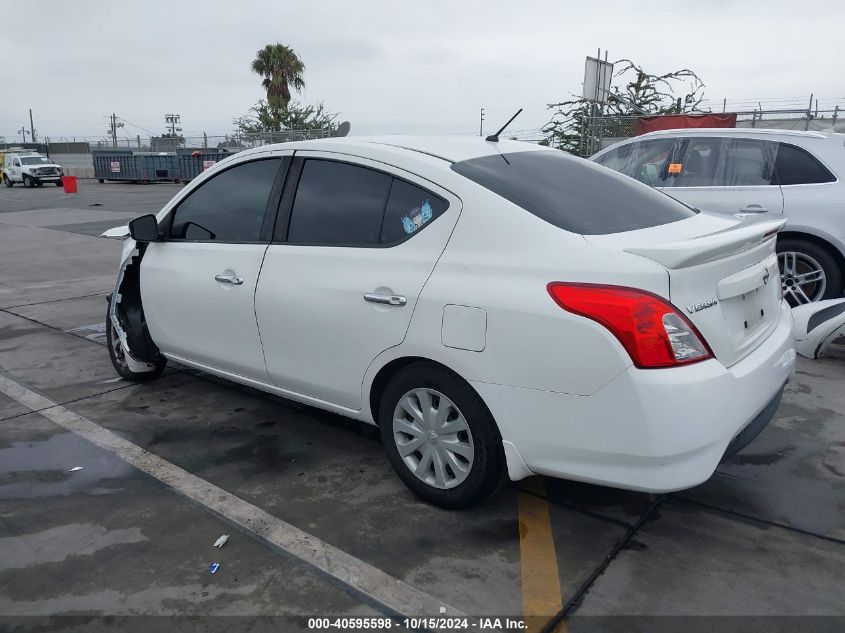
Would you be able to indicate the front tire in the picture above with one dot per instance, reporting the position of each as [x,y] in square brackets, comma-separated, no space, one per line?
[28,182]
[440,438]
[809,272]
[118,358]
[59,184]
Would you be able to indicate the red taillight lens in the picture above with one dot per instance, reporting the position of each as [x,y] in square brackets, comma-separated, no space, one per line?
[650,329]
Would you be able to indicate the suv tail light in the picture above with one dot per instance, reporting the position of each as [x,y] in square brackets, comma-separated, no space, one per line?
[653,332]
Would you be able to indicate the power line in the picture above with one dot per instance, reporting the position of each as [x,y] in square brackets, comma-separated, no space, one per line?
[138,126]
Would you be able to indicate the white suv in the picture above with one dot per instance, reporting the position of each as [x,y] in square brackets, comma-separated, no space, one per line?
[775,172]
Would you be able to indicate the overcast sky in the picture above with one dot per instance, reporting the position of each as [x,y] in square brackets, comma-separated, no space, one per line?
[392,66]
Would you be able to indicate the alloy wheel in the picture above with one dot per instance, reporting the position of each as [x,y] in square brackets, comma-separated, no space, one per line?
[433,438]
[802,277]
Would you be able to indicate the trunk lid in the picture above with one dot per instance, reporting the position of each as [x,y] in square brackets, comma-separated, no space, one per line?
[723,275]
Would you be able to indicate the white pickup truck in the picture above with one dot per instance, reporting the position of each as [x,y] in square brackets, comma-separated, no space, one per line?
[29,168]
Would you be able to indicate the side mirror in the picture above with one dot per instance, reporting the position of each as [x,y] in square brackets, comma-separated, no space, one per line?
[144,229]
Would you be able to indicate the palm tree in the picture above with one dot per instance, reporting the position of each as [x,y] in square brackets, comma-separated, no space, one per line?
[282,69]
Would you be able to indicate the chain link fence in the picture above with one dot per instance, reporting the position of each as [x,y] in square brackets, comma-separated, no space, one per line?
[231,142]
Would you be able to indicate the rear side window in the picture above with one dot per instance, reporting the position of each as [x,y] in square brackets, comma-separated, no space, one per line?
[228,208]
[746,163]
[409,209]
[338,204]
[572,193]
[796,166]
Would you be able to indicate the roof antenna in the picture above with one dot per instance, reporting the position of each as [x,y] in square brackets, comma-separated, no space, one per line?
[494,138]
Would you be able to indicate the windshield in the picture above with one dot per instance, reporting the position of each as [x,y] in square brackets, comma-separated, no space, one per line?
[35,160]
[572,193]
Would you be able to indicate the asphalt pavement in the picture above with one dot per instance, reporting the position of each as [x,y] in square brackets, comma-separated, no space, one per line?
[168,467]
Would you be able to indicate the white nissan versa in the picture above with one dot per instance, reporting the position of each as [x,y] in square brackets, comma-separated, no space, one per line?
[498,309]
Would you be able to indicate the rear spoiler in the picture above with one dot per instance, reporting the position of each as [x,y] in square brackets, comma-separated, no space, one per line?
[707,248]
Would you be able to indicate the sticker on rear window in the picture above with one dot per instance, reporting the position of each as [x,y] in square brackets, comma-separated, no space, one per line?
[417,217]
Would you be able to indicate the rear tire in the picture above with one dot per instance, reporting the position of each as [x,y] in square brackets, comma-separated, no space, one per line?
[118,360]
[442,465]
[798,258]
[101,180]
[7,182]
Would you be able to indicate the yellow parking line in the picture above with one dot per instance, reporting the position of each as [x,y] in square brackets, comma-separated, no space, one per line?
[541,594]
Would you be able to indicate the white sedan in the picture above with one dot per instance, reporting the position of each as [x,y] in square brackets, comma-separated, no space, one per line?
[498,309]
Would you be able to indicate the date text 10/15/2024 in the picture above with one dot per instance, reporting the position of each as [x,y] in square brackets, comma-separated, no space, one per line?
[431,623]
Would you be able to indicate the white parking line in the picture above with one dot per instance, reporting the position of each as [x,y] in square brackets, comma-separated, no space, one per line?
[394,595]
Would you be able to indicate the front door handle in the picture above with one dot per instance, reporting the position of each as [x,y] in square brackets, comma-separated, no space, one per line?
[229,279]
[391,300]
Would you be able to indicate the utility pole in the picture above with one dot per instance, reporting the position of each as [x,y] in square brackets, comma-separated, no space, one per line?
[31,126]
[481,125]
[112,131]
[172,120]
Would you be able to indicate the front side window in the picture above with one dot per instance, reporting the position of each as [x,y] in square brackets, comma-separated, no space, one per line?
[646,161]
[796,166]
[572,193]
[228,208]
[618,159]
[698,165]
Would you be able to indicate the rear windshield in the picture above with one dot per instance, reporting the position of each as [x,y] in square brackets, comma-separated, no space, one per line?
[572,193]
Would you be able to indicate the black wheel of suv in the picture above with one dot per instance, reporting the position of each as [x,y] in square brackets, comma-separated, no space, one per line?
[59,183]
[118,358]
[7,182]
[440,438]
[28,182]
[808,272]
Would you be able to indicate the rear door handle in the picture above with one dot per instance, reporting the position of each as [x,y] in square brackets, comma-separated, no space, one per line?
[391,300]
[229,279]
[754,208]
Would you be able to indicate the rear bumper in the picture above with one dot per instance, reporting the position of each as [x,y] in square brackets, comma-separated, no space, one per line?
[649,430]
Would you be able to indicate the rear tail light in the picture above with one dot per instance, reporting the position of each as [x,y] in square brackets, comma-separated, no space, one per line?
[651,330]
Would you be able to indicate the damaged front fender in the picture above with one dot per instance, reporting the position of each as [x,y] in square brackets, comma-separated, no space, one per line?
[126,313]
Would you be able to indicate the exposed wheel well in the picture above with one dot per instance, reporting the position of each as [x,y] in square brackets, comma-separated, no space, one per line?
[807,237]
[391,369]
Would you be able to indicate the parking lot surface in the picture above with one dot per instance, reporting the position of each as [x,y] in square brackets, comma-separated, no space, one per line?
[131,535]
